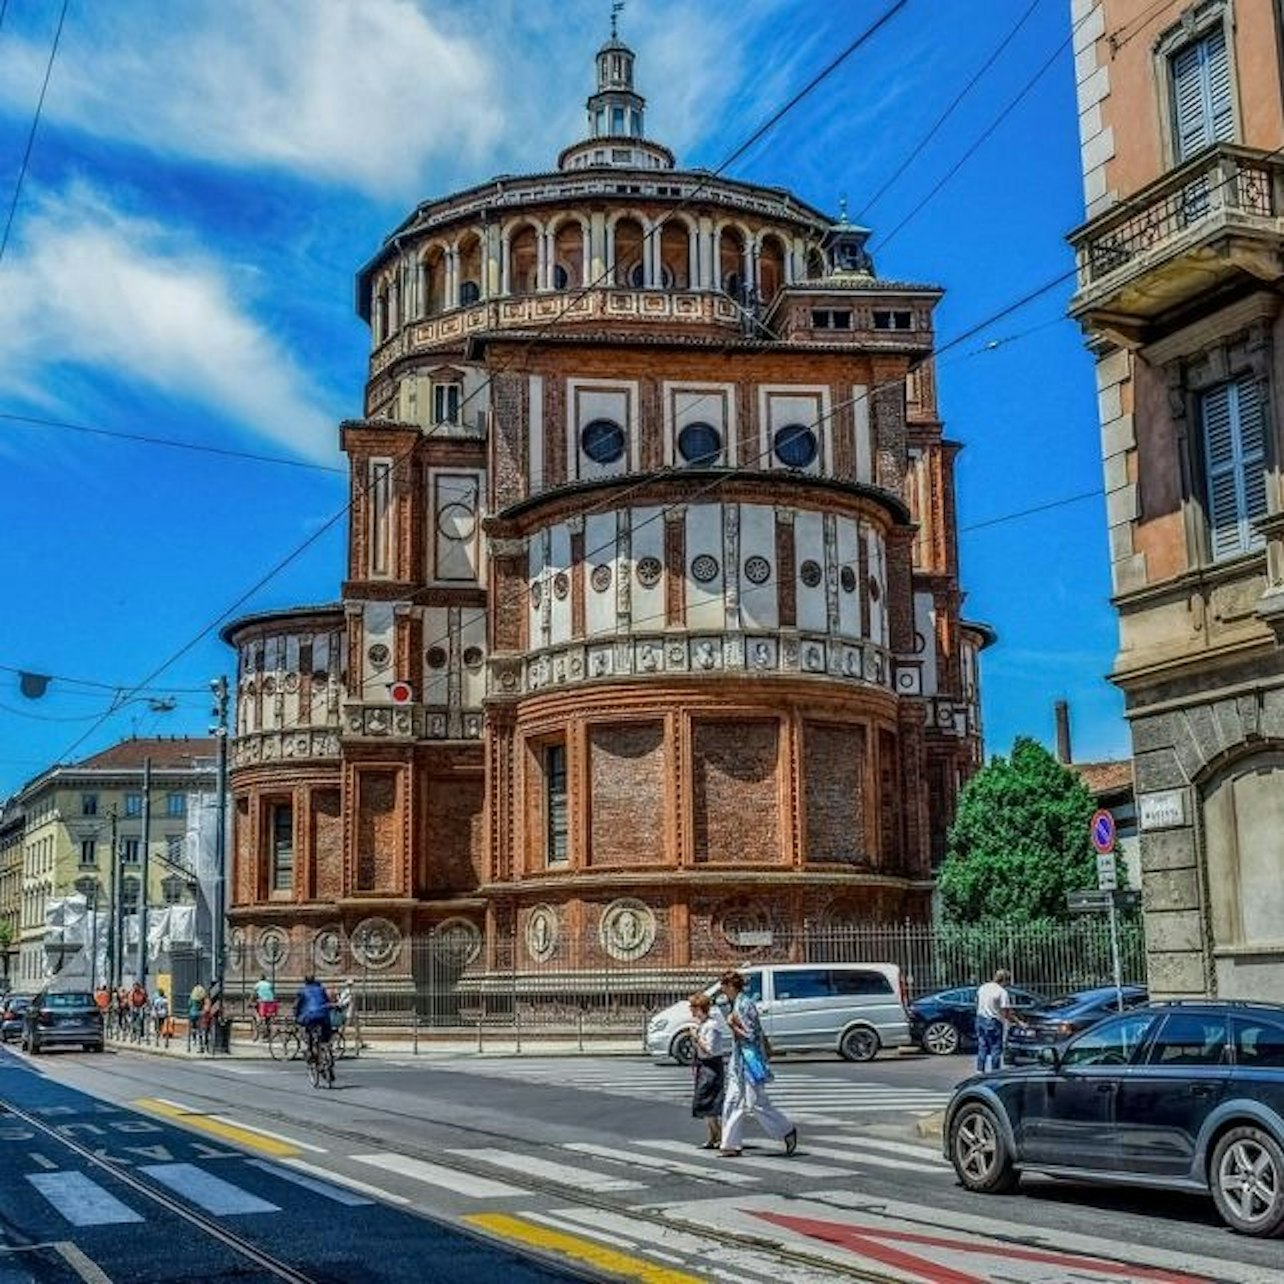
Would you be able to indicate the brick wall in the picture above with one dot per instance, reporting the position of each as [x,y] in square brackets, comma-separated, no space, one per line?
[327,844]
[450,857]
[833,782]
[736,792]
[377,846]
[626,794]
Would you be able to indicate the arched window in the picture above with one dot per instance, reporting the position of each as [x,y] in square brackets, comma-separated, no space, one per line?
[630,245]
[433,281]
[731,259]
[675,255]
[469,293]
[470,269]
[523,261]
[771,268]
[568,255]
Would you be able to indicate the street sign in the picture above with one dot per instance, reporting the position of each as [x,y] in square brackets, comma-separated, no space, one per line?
[1107,873]
[1087,902]
[1102,829]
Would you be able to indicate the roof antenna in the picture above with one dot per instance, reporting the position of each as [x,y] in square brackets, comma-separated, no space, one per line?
[617,8]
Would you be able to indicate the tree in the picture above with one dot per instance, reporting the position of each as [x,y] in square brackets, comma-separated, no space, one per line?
[1019,842]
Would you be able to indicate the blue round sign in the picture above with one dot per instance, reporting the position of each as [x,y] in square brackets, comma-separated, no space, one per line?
[1102,828]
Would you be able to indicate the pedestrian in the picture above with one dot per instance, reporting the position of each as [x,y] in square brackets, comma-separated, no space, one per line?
[994,1013]
[712,1042]
[161,1022]
[138,1005]
[748,1075]
[195,1010]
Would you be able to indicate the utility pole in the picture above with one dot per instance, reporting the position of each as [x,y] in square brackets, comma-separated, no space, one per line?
[113,923]
[140,970]
[219,687]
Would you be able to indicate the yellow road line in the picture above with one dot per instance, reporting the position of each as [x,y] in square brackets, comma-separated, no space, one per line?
[508,1227]
[219,1128]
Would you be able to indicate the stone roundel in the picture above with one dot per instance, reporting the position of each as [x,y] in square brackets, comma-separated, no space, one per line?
[272,948]
[757,570]
[649,570]
[376,942]
[379,655]
[561,585]
[627,929]
[746,925]
[327,949]
[542,933]
[600,578]
[460,939]
[704,568]
[236,947]
[810,573]
[847,578]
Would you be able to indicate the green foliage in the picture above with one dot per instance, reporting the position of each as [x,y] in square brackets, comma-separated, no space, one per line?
[1019,842]
[6,935]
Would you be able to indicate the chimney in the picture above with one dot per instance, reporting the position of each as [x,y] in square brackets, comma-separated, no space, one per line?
[1061,711]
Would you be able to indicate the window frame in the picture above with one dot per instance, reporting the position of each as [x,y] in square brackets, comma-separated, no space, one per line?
[133,804]
[175,805]
[442,389]
[1196,25]
[1248,540]
[555,810]
[280,873]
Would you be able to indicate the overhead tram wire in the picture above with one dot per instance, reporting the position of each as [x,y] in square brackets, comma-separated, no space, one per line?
[947,113]
[403,456]
[31,136]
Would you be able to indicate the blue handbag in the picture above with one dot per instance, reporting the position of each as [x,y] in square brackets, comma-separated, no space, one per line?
[755,1066]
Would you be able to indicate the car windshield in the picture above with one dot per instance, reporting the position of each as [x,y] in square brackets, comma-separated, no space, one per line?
[69,999]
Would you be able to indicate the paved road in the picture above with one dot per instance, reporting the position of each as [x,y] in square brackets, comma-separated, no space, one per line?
[592,1161]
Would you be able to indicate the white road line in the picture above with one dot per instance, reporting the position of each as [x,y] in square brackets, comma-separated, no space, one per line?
[557,1223]
[80,1201]
[530,1166]
[267,1132]
[439,1175]
[800,1167]
[80,1262]
[861,1142]
[878,1161]
[724,1176]
[212,1193]
[316,1185]
[342,1179]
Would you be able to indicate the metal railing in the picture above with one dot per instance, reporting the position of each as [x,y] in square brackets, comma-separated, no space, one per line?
[1221,182]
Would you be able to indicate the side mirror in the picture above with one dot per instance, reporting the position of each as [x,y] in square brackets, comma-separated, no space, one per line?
[1050,1057]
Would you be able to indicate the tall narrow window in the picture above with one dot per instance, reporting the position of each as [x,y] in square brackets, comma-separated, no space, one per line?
[1203,107]
[88,852]
[282,839]
[1234,429]
[555,812]
[133,804]
[445,403]
[130,850]
[176,804]
[89,804]
[380,516]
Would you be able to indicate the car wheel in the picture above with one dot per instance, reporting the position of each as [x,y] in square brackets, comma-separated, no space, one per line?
[859,1044]
[1247,1179]
[682,1049]
[941,1039]
[978,1152]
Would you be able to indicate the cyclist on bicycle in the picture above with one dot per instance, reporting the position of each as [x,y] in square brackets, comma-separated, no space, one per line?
[312,1011]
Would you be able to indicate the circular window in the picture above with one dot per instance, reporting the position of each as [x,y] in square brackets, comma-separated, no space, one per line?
[600,578]
[700,443]
[810,574]
[795,445]
[704,568]
[602,440]
[436,657]
[456,521]
[473,657]
[847,577]
[757,570]
[649,571]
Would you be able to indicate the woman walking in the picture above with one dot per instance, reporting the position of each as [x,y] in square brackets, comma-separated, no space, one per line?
[748,1075]
[710,1066]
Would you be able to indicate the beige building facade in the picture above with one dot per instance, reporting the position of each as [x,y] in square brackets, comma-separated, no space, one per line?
[1180,264]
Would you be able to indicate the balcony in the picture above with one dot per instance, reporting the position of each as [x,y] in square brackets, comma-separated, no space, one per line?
[1190,234]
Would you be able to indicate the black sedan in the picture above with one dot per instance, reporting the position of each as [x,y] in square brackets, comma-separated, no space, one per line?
[944,1022]
[11,1011]
[1057,1021]
[1184,1096]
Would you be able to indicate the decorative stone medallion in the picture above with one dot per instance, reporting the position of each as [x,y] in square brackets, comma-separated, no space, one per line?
[272,948]
[291,682]
[627,930]
[649,571]
[236,947]
[436,657]
[874,590]
[327,949]
[542,933]
[459,939]
[537,593]
[473,657]
[704,568]
[810,573]
[379,655]
[376,942]
[757,570]
[746,925]
[847,578]
[600,578]
[561,585]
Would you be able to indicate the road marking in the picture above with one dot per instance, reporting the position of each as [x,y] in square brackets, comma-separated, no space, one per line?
[576,1247]
[342,1179]
[217,1127]
[798,1167]
[80,1201]
[859,1140]
[439,1175]
[725,1176]
[530,1166]
[212,1193]
[316,1185]
[81,1263]
[42,1161]
[267,1132]
[878,1161]
[561,1224]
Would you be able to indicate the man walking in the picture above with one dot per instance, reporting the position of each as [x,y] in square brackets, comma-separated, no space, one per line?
[748,1074]
[994,1012]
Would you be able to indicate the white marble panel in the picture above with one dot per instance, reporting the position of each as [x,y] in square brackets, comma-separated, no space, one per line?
[600,552]
[535,589]
[558,583]
[925,627]
[320,687]
[864,437]
[472,638]
[849,560]
[456,526]
[809,545]
[377,632]
[292,712]
[877,589]
[436,684]
[708,403]
[759,603]
[705,608]
[591,399]
[647,541]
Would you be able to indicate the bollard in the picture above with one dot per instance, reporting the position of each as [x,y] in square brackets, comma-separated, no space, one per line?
[414,1027]
[517,1027]
[479,1032]
[580,1025]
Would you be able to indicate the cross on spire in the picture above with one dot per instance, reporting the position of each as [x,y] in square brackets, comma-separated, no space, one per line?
[617,8]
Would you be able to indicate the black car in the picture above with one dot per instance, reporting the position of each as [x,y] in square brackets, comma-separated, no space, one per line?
[942,1023]
[62,1018]
[1186,1096]
[1057,1021]
[11,1010]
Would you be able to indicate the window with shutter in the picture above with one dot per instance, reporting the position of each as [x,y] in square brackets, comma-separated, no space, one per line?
[1234,428]
[1203,106]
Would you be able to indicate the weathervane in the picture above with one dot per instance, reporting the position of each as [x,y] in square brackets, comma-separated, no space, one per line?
[617,8]
[842,207]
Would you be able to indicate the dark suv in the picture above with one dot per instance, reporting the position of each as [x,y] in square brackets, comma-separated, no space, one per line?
[58,1018]
[1188,1096]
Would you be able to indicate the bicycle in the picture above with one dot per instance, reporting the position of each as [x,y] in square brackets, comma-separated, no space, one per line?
[320,1055]
[283,1040]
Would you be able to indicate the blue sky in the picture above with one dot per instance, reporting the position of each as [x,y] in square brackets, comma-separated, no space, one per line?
[207,177]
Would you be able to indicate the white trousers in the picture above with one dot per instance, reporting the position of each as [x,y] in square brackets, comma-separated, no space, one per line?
[745,1098]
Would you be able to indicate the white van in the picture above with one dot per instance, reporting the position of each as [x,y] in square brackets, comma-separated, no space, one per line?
[853,1009]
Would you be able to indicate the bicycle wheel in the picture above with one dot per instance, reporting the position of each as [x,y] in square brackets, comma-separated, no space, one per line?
[315,1071]
[339,1045]
[329,1066]
[291,1045]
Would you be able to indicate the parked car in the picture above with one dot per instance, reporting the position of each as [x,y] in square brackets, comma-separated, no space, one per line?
[11,1016]
[1186,1096]
[853,1009]
[58,1018]
[944,1022]
[1057,1021]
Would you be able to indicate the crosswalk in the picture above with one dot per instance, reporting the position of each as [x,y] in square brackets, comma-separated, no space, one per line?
[807,1097]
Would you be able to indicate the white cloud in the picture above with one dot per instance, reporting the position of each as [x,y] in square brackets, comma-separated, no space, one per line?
[91,287]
